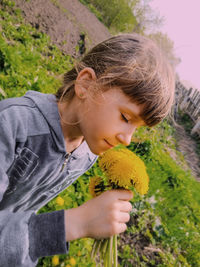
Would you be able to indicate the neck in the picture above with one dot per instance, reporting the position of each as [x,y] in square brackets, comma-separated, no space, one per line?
[69,122]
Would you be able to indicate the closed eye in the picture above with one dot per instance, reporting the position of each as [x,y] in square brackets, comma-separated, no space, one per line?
[124,118]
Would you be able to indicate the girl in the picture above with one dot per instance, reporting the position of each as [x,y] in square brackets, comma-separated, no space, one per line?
[48,141]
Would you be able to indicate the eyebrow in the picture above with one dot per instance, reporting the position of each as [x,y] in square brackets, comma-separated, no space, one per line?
[135,116]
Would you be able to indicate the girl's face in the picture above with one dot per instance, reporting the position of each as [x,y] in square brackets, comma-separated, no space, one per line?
[109,119]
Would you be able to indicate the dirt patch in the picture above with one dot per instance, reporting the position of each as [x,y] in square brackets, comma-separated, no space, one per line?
[140,246]
[64,21]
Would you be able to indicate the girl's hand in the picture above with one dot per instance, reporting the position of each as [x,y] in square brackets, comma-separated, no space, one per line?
[100,217]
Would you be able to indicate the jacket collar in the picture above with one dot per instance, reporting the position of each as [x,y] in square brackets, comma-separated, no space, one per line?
[47,105]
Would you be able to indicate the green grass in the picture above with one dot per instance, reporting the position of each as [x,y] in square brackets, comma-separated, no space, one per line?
[176,193]
[28,59]
[168,218]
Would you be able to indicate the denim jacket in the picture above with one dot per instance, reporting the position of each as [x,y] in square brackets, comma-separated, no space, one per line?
[34,168]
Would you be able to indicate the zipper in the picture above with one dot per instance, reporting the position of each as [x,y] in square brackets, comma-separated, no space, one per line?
[65,161]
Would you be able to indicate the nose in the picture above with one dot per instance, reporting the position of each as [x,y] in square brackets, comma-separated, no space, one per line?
[125,138]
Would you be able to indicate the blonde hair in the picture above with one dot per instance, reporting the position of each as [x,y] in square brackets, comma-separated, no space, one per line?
[134,64]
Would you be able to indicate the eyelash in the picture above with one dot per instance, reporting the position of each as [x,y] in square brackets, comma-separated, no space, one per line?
[124,118]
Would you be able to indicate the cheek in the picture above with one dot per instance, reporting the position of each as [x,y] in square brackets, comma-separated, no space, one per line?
[95,129]
[97,120]
[100,121]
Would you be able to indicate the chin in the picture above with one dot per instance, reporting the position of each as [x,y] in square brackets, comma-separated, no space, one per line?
[94,150]
[97,151]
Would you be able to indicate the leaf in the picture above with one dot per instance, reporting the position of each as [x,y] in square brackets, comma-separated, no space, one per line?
[3,92]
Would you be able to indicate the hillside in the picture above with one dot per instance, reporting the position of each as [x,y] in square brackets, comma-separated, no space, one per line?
[64,21]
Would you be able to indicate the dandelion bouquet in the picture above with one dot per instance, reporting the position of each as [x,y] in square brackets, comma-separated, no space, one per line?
[122,169]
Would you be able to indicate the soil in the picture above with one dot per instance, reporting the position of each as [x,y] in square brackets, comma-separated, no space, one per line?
[65,21]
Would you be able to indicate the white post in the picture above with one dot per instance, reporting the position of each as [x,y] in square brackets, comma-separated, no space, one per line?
[185,101]
[196,112]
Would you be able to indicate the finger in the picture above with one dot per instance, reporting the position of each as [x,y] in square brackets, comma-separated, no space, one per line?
[121,228]
[125,206]
[124,217]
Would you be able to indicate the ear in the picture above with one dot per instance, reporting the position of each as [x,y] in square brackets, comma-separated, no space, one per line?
[83,82]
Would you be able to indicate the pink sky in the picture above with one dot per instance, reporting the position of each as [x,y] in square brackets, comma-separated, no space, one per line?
[182,24]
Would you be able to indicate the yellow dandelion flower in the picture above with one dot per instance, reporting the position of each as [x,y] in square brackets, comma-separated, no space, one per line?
[55,260]
[68,265]
[60,201]
[124,168]
[79,253]
[72,261]
[94,188]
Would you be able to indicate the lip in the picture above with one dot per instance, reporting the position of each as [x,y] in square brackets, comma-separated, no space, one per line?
[108,143]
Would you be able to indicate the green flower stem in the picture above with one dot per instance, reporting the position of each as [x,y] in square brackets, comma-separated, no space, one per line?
[105,253]
[108,253]
[107,249]
[110,257]
[101,242]
[101,246]
[104,246]
[93,249]
[96,247]
[115,250]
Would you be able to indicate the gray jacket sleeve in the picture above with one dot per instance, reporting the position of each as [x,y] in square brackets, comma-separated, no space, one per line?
[25,236]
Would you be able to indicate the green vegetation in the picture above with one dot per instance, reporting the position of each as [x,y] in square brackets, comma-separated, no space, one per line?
[117,15]
[28,60]
[164,229]
[133,16]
